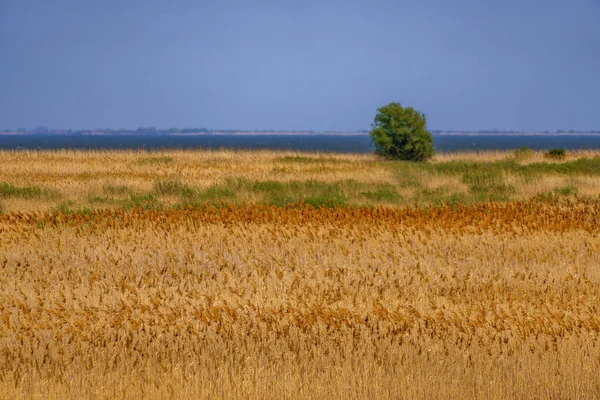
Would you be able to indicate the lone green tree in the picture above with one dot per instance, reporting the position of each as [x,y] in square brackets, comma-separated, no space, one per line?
[399,133]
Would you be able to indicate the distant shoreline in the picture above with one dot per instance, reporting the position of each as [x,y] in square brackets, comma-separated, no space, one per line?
[281,133]
[355,142]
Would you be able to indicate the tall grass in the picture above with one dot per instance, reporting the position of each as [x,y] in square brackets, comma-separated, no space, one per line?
[26,192]
[42,181]
[492,300]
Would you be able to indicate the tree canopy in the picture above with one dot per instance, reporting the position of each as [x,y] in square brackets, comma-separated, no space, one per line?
[400,133]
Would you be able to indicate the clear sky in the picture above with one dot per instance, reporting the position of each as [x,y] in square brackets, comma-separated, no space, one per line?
[320,65]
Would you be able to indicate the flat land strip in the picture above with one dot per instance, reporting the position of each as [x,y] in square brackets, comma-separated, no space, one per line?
[283,290]
[78,181]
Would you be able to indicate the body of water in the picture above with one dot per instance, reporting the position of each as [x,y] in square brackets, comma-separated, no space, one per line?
[321,143]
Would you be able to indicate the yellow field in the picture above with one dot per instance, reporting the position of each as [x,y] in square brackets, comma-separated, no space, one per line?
[485,300]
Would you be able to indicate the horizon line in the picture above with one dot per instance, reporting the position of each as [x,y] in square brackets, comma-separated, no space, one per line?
[202,130]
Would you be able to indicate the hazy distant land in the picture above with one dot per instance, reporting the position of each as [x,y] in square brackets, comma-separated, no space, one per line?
[238,132]
[311,141]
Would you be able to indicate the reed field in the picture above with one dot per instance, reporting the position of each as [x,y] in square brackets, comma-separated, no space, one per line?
[279,275]
[75,181]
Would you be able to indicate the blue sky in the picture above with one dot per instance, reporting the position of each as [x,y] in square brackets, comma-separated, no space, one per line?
[320,65]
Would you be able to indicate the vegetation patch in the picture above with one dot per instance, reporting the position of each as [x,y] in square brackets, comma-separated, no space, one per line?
[523,153]
[476,178]
[226,192]
[104,200]
[173,187]
[145,201]
[71,208]
[459,167]
[383,194]
[430,195]
[325,201]
[27,192]
[488,185]
[311,192]
[454,199]
[116,190]
[566,190]
[408,176]
[583,166]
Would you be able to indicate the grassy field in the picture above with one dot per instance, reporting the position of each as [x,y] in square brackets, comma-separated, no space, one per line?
[78,181]
[279,275]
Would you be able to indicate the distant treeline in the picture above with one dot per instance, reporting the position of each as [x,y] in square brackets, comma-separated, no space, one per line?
[151,130]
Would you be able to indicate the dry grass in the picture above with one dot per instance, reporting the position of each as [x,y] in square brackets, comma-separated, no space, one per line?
[527,156]
[485,300]
[112,179]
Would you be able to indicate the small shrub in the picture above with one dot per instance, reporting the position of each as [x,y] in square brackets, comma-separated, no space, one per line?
[556,154]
